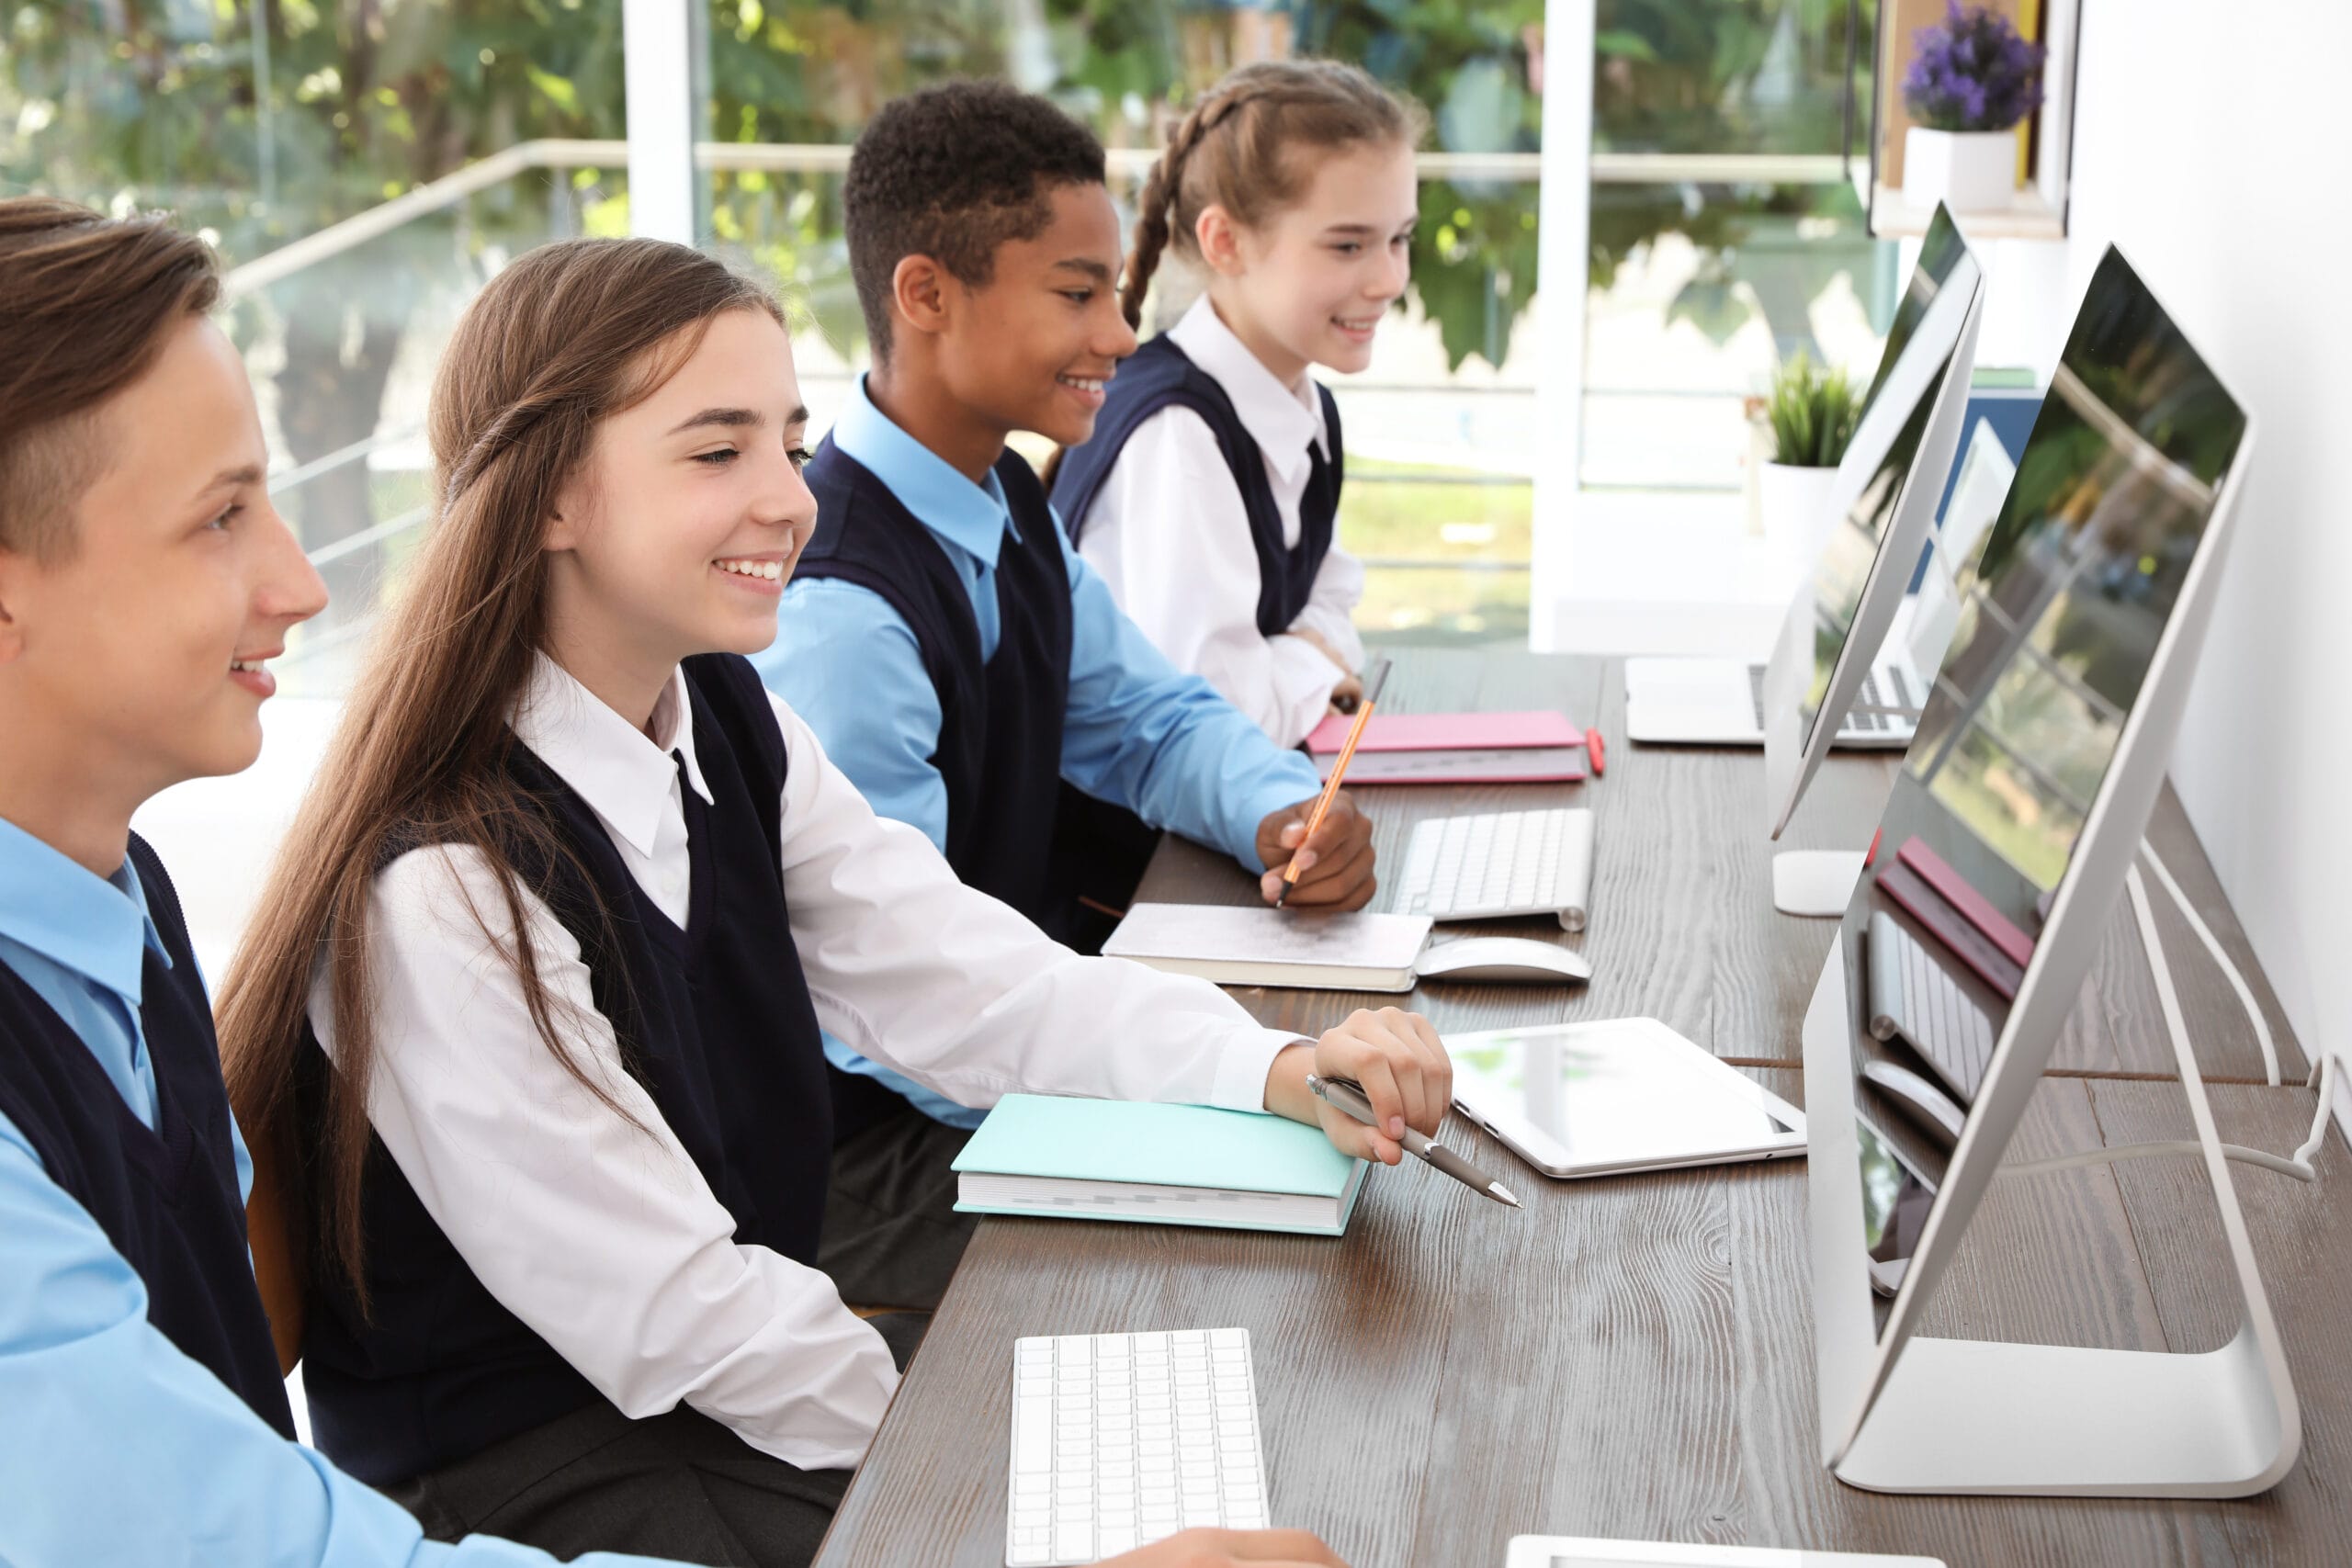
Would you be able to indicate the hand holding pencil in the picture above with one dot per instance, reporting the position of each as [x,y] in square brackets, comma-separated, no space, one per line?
[1320,851]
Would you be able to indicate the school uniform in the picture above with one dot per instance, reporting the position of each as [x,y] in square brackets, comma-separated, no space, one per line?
[577,1311]
[145,1418]
[1207,501]
[961,664]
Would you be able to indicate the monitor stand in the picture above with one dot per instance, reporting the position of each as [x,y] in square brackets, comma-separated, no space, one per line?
[1820,883]
[1964,1415]
[1816,881]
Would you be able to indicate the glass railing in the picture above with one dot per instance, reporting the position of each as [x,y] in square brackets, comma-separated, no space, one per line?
[1769,257]
[1448,499]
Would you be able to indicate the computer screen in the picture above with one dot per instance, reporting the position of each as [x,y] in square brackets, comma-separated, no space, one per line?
[1886,443]
[2059,621]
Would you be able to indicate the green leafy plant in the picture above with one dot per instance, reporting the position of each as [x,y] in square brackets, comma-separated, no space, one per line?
[1812,410]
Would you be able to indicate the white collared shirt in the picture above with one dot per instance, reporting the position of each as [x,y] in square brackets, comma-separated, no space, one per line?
[605,1240]
[1170,535]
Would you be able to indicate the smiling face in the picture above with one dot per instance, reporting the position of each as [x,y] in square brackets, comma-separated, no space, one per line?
[1032,348]
[1309,283]
[142,647]
[679,533]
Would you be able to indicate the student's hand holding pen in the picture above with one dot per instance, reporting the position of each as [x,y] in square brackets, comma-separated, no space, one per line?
[1398,1061]
[1335,866]
[1228,1548]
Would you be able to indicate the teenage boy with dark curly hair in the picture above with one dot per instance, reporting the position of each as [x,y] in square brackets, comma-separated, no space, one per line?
[958,660]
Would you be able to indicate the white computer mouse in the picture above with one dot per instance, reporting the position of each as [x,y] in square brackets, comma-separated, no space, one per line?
[1503,961]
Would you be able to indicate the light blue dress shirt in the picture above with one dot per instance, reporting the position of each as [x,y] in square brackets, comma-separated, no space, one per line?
[115,1447]
[1139,732]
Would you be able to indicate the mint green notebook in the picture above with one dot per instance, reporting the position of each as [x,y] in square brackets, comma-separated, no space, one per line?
[1170,1165]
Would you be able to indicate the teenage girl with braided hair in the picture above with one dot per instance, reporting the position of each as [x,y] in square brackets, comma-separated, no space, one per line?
[1207,496]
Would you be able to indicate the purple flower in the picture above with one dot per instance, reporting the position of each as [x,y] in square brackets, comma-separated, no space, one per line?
[1972,72]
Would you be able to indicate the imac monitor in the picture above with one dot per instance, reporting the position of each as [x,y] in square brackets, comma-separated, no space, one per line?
[1883,506]
[2003,844]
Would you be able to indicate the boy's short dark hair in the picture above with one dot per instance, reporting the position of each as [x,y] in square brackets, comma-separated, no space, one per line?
[951,172]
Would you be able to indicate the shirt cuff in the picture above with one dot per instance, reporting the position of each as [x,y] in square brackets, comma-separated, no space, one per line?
[1241,1069]
[1304,676]
[1335,626]
[1287,786]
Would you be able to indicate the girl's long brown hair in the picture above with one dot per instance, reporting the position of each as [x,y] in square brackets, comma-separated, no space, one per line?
[570,334]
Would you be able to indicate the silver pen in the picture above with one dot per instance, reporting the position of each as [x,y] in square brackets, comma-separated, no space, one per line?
[1348,1098]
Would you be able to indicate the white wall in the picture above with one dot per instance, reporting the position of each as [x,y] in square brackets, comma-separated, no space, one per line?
[2211,144]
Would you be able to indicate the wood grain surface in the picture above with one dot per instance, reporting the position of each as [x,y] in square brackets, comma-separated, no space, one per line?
[1633,1357]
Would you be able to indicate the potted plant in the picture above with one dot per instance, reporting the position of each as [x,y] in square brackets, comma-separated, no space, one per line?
[1971,79]
[1810,413]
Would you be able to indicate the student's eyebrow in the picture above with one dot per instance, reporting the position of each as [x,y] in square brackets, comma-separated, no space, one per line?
[1094,269]
[235,478]
[726,419]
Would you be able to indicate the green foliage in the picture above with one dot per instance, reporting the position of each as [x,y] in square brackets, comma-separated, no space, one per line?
[1813,413]
[167,103]
[162,103]
[1717,76]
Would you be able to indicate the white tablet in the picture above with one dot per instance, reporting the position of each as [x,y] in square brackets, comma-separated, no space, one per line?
[1627,1094]
[1583,1551]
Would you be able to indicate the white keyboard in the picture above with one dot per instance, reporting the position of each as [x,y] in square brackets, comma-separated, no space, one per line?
[1121,1438]
[1499,862]
[1913,995]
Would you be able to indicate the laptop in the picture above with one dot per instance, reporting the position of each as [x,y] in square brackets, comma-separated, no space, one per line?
[1720,702]
[1880,500]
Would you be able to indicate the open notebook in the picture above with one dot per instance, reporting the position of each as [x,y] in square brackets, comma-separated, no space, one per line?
[1170,1165]
[1244,944]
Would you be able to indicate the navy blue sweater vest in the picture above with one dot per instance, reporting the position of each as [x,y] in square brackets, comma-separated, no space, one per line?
[167,1196]
[715,1021]
[1159,376]
[1001,724]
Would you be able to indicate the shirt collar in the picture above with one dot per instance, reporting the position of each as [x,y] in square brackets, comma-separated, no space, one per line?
[1281,420]
[972,517]
[624,776]
[97,926]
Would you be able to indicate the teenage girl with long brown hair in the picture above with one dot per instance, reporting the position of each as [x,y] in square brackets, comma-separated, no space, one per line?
[1208,495]
[531,1005]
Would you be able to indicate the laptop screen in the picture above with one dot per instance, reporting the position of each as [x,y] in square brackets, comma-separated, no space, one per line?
[1888,432]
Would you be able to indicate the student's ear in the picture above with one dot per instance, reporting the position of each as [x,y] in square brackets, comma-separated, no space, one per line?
[13,568]
[918,293]
[564,523]
[1218,237]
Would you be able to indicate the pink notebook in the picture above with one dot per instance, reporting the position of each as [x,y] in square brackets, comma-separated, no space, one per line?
[1536,747]
[1978,909]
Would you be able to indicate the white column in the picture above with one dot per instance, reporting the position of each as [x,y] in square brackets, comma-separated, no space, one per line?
[1562,277]
[657,46]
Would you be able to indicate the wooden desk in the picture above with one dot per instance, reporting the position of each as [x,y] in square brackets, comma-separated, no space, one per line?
[1634,1356]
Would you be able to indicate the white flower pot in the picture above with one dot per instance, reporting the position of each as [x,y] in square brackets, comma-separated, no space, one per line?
[1968,171]
[1792,509]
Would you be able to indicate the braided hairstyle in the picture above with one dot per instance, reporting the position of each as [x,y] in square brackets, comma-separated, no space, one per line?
[1238,149]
